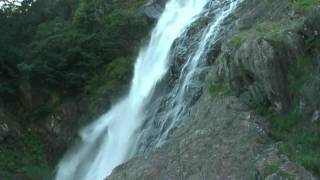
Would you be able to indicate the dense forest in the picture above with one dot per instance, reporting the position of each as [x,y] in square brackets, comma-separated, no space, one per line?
[60,45]
[52,52]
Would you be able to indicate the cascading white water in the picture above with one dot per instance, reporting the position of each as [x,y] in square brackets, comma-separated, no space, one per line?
[171,109]
[194,65]
[111,140]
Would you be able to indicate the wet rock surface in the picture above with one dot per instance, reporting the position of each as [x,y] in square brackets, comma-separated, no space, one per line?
[175,94]
[223,138]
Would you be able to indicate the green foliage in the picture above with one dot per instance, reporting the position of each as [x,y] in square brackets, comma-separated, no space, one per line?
[282,124]
[302,146]
[59,61]
[274,29]
[62,45]
[108,85]
[73,54]
[260,104]
[267,29]
[23,157]
[300,143]
[65,48]
[300,140]
[313,42]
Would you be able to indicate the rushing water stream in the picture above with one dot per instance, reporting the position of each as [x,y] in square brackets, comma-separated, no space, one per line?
[114,137]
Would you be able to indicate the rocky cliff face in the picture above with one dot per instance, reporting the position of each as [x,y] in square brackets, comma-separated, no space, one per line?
[259,105]
[222,140]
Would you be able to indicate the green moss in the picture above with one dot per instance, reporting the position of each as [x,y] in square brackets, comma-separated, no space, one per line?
[303,5]
[272,29]
[301,143]
[298,73]
[270,26]
[239,38]
[298,69]
[270,169]
[267,29]
[300,140]
[216,90]
[275,169]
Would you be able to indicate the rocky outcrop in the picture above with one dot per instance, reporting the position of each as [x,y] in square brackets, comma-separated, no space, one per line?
[310,89]
[222,140]
[257,70]
[259,62]
[62,124]
[153,9]
[254,61]
[4,131]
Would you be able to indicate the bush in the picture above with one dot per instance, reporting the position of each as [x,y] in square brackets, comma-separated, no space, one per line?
[283,124]
[110,84]
[27,161]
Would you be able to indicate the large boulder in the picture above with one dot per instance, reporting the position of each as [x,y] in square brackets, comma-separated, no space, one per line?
[257,70]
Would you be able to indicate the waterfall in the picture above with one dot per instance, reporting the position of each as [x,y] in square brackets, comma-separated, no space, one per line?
[115,136]
[176,103]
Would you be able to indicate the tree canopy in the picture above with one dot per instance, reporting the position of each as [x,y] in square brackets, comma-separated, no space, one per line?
[62,45]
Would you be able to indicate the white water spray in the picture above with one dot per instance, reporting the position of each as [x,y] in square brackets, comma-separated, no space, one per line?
[110,140]
[171,109]
[193,67]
